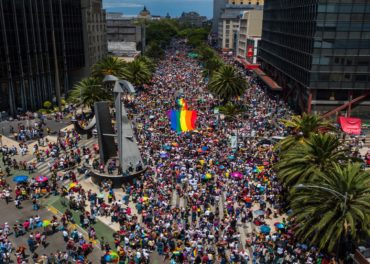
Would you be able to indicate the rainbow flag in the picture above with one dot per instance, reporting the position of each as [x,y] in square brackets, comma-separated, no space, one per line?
[195,252]
[182,104]
[182,121]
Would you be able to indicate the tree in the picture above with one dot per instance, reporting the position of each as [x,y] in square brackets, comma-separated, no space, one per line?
[206,53]
[88,91]
[302,127]
[230,110]
[333,211]
[148,62]
[154,51]
[227,83]
[108,66]
[212,65]
[161,31]
[137,72]
[47,104]
[316,154]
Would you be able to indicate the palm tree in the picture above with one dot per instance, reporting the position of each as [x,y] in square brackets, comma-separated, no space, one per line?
[149,63]
[316,154]
[108,66]
[137,72]
[88,91]
[211,65]
[227,83]
[333,211]
[302,127]
[230,110]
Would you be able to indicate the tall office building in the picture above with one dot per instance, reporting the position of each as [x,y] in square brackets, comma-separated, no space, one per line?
[318,51]
[94,32]
[27,61]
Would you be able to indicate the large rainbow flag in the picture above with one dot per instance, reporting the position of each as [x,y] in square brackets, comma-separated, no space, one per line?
[182,104]
[183,119]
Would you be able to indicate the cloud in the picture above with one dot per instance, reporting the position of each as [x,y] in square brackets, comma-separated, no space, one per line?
[112,4]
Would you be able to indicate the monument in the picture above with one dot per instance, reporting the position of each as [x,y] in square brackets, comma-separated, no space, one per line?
[129,157]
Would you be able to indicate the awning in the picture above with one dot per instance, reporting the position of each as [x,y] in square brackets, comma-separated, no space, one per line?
[267,80]
[350,125]
[247,64]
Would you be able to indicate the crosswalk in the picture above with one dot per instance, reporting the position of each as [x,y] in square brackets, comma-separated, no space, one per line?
[42,168]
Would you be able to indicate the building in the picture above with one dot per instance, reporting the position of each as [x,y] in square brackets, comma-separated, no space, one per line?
[192,19]
[318,51]
[145,13]
[27,69]
[219,5]
[249,36]
[94,32]
[229,21]
[123,50]
[123,28]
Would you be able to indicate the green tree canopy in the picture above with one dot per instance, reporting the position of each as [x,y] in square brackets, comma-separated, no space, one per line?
[108,66]
[318,153]
[88,91]
[137,72]
[227,83]
[302,127]
[334,209]
[230,110]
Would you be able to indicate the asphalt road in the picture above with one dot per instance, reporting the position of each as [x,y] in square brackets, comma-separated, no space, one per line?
[10,214]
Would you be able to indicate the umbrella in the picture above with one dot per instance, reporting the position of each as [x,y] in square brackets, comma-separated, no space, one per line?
[265,229]
[45,223]
[41,178]
[279,225]
[204,148]
[222,167]
[237,175]
[111,257]
[72,185]
[259,212]
[167,147]
[20,178]
[207,176]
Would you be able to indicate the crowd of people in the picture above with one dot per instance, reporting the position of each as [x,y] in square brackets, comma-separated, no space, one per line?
[202,199]
[228,203]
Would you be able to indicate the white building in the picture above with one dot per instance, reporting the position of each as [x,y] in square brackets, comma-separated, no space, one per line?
[249,35]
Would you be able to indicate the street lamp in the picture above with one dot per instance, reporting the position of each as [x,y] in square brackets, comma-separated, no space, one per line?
[334,192]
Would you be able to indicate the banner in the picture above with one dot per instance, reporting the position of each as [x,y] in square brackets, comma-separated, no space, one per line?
[250,51]
[350,125]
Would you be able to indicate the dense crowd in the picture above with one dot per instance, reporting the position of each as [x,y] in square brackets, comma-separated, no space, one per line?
[222,191]
[202,199]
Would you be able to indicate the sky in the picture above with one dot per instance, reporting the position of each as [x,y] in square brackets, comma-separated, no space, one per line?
[160,7]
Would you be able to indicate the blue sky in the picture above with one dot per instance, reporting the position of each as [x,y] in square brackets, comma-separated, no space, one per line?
[160,7]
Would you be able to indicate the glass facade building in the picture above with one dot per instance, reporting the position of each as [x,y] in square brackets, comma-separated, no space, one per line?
[317,50]
[26,50]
